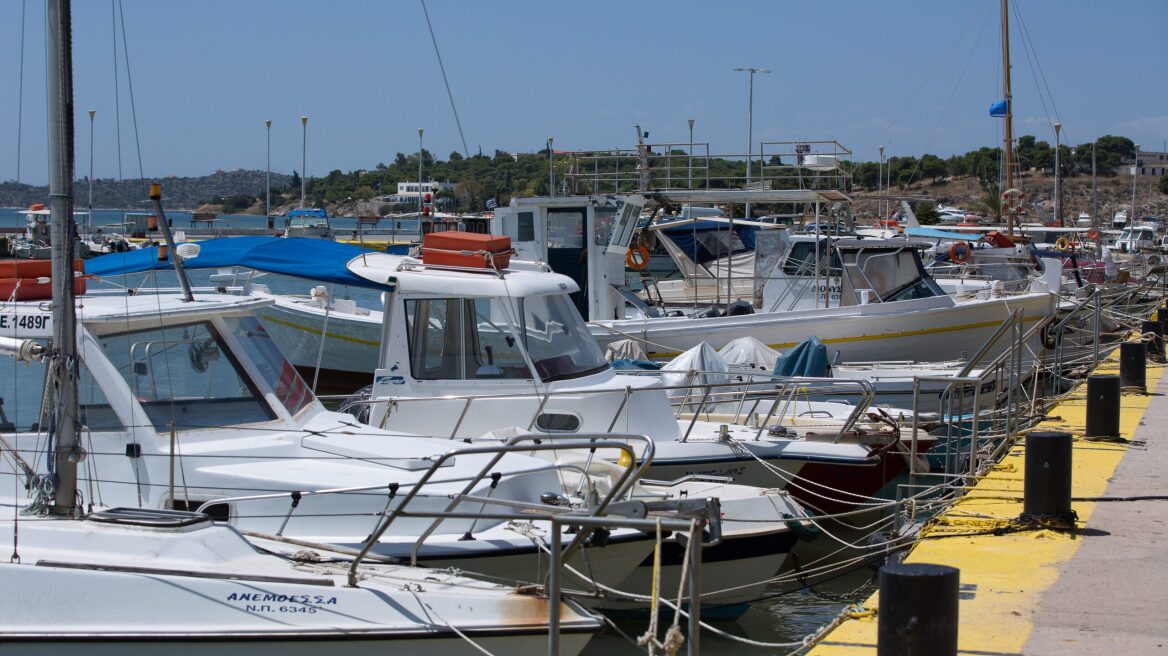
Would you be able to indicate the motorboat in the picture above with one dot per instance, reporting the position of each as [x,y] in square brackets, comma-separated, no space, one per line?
[308,222]
[866,299]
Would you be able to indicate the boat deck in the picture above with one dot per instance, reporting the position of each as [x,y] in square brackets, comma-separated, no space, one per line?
[1100,590]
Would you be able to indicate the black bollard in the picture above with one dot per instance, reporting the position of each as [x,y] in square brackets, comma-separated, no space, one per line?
[1133,364]
[1103,405]
[1047,487]
[1155,346]
[918,610]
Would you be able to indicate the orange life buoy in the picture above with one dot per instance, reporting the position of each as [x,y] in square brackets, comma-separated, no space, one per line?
[1093,234]
[959,252]
[640,261]
[1062,244]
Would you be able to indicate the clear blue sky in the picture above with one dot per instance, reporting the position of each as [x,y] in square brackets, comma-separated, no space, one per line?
[207,74]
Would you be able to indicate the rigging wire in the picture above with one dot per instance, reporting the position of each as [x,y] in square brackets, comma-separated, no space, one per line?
[936,66]
[20,93]
[442,67]
[1032,60]
[117,94]
[949,102]
[130,86]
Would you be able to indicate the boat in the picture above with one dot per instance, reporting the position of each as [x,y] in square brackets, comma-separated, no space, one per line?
[90,579]
[308,222]
[853,304]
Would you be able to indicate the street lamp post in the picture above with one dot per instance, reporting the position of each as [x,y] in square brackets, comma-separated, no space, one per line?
[1094,191]
[1058,174]
[1131,219]
[268,178]
[303,159]
[89,220]
[880,186]
[689,183]
[750,122]
[551,169]
[420,130]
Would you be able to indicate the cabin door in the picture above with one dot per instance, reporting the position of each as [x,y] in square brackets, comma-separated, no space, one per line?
[567,251]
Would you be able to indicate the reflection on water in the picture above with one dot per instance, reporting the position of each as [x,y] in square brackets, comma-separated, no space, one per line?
[786,618]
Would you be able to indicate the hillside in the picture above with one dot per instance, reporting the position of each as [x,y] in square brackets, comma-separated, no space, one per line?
[178,193]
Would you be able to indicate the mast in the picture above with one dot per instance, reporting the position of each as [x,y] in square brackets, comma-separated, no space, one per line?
[1008,144]
[59,69]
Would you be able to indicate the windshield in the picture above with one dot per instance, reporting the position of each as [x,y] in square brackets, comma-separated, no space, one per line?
[185,374]
[475,339]
[557,339]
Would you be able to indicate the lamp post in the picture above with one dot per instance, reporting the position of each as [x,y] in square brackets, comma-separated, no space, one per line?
[689,182]
[551,169]
[750,122]
[1094,191]
[420,130]
[1058,174]
[268,178]
[303,159]
[1131,219]
[880,185]
[89,219]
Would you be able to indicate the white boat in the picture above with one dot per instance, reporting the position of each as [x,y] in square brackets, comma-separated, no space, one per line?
[867,299]
[140,582]
[200,389]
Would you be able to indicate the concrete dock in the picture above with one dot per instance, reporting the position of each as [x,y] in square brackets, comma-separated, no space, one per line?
[1099,590]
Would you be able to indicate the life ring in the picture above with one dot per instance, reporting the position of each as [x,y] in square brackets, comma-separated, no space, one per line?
[638,262]
[1093,234]
[1062,244]
[960,252]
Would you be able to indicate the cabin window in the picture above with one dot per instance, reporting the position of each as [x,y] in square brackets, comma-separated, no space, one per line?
[801,261]
[475,339]
[96,413]
[463,339]
[557,339]
[526,227]
[555,422]
[565,228]
[187,375]
[276,371]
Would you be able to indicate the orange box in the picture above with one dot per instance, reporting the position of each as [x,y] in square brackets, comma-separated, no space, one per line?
[466,249]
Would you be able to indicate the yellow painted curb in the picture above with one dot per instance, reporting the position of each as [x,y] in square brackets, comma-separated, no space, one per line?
[1003,576]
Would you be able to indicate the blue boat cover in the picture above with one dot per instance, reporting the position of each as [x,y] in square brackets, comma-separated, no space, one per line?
[688,238]
[315,259]
[808,358]
[933,233]
[625,364]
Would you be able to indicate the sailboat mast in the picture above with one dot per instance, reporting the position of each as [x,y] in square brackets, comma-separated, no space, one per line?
[1008,150]
[59,69]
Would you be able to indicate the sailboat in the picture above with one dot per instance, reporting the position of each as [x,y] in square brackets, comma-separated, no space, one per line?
[139,581]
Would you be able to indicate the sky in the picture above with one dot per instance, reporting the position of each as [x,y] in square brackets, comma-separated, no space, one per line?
[914,76]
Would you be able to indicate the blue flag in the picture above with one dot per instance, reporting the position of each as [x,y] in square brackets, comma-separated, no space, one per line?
[491,204]
[998,109]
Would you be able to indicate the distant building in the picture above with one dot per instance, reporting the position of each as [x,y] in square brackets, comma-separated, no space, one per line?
[1151,163]
[407,192]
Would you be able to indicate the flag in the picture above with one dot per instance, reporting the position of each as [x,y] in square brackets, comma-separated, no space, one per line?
[491,204]
[999,108]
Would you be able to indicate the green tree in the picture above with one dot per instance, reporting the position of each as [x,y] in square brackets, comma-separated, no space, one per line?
[1163,184]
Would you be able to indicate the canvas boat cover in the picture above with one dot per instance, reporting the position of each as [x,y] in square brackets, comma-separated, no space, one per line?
[314,259]
[748,352]
[808,358]
[701,365]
